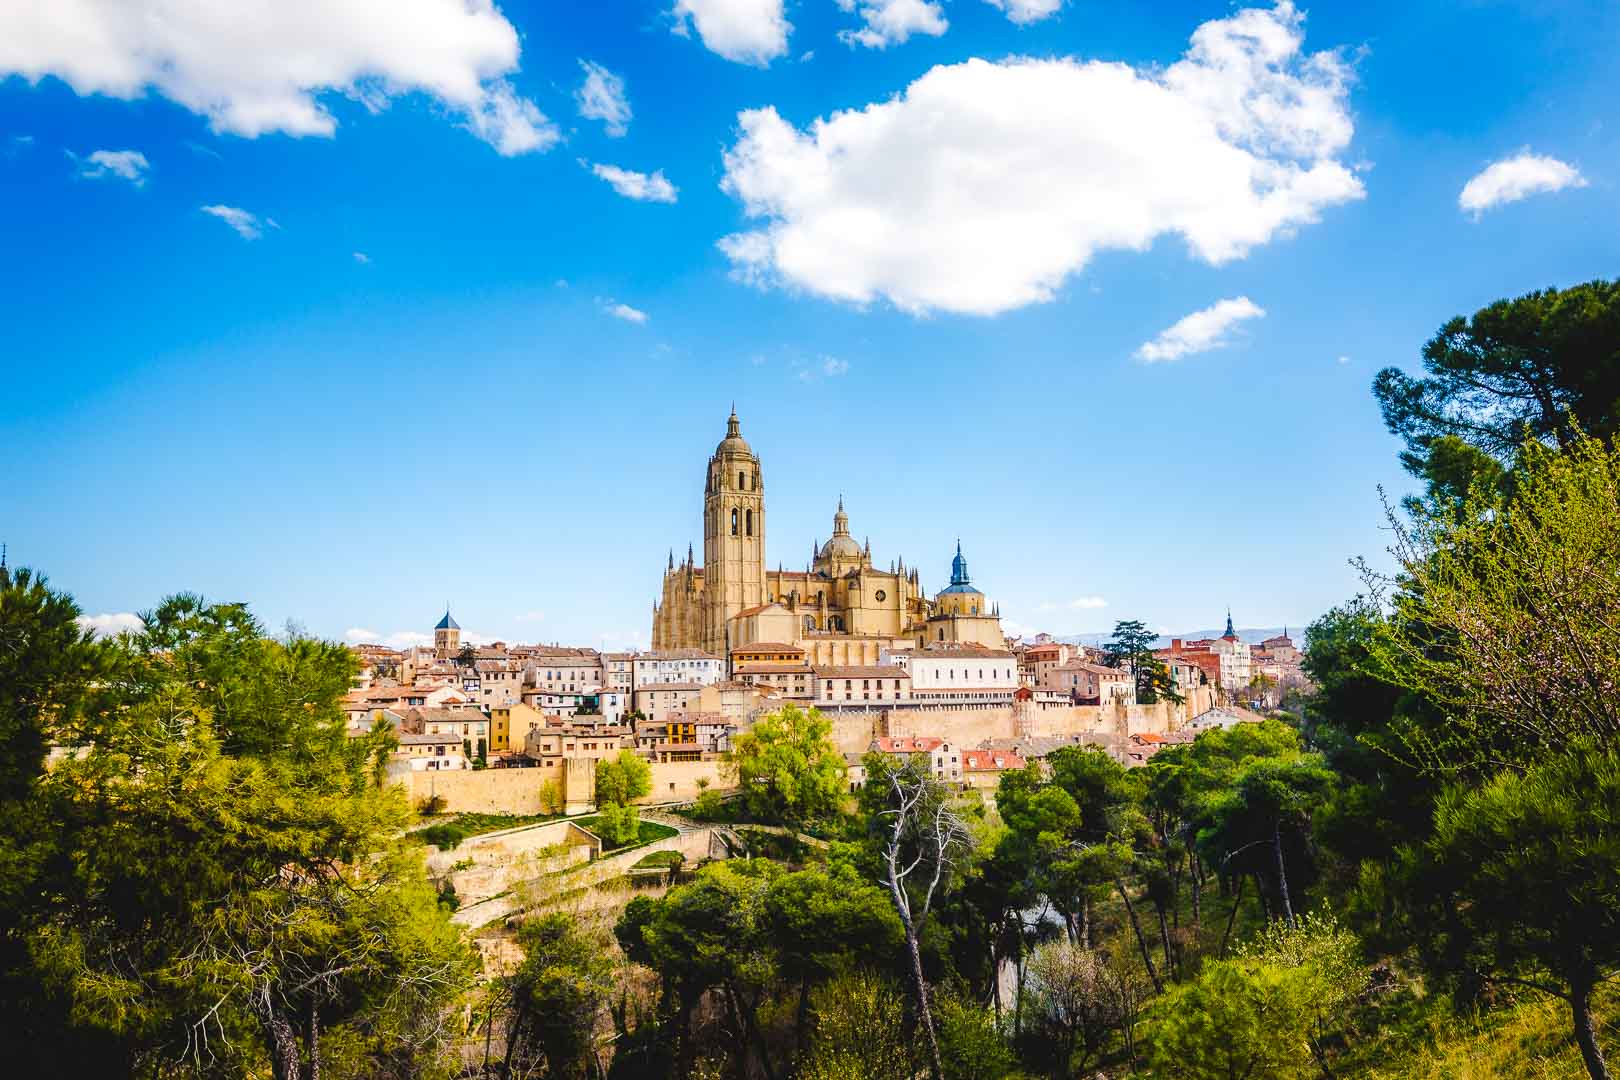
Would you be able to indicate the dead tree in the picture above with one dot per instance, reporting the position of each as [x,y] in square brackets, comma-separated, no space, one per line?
[925,838]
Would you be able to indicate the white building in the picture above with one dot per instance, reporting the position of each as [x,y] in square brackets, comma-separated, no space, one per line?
[877,686]
[423,752]
[675,666]
[569,670]
[958,675]
[618,671]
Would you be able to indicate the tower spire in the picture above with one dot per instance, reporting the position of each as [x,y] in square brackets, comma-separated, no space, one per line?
[1229,632]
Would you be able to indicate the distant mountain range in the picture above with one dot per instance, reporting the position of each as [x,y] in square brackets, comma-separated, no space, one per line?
[1253,635]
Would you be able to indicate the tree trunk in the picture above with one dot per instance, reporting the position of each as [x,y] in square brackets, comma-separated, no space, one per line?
[1232,918]
[1141,941]
[1018,984]
[1085,921]
[1282,876]
[312,1041]
[1197,892]
[283,1045]
[1260,895]
[936,1070]
[1164,939]
[514,1028]
[751,1028]
[685,1051]
[1580,1000]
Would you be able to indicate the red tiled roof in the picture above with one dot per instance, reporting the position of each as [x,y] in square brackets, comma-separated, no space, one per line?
[906,744]
[990,760]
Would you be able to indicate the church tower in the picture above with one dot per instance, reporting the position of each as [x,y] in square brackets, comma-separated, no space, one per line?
[447,638]
[733,536]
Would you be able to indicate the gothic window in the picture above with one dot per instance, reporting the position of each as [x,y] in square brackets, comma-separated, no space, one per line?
[734,522]
[809,622]
[881,596]
[742,483]
[750,521]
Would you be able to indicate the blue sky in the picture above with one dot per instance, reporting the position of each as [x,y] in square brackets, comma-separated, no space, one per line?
[944,307]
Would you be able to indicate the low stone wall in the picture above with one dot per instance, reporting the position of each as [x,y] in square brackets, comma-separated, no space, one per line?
[480,791]
[517,791]
[500,859]
[677,781]
[695,845]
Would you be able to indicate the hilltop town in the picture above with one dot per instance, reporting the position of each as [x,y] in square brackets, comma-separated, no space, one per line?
[889,665]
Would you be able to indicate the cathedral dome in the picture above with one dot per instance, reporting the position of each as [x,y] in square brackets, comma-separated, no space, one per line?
[842,544]
[733,443]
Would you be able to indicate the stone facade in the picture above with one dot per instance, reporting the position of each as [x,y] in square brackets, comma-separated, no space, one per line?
[841,609]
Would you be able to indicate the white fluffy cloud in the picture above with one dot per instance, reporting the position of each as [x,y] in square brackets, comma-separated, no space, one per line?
[747,31]
[984,185]
[602,97]
[248,226]
[1087,603]
[258,66]
[832,366]
[639,186]
[111,624]
[890,22]
[362,258]
[1025,12]
[1515,178]
[128,165]
[624,312]
[1203,330]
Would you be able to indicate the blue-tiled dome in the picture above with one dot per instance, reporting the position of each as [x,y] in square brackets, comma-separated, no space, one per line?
[959,575]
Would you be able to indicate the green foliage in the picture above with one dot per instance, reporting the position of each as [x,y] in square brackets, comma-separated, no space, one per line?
[971,1047]
[1532,862]
[446,836]
[1539,367]
[1264,1013]
[1131,647]
[788,771]
[49,666]
[1504,614]
[617,824]
[645,831]
[223,851]
[622,779]
[1077,998]
[1235,1019]
[709,806]
[554,998]
[551,797]
[860,1031]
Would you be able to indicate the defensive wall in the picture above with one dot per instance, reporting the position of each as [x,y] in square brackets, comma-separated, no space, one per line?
[520,791]
[853,732]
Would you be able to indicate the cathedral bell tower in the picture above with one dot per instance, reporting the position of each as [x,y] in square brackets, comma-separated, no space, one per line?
[733,536]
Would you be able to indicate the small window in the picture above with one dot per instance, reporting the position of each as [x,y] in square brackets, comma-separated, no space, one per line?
[750,521]
[734,522]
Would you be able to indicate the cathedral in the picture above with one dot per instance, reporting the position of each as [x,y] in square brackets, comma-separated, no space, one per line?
[840,608]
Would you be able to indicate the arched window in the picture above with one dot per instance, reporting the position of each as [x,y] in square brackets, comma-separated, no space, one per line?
[810,623]
[750,522]
[734,521]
